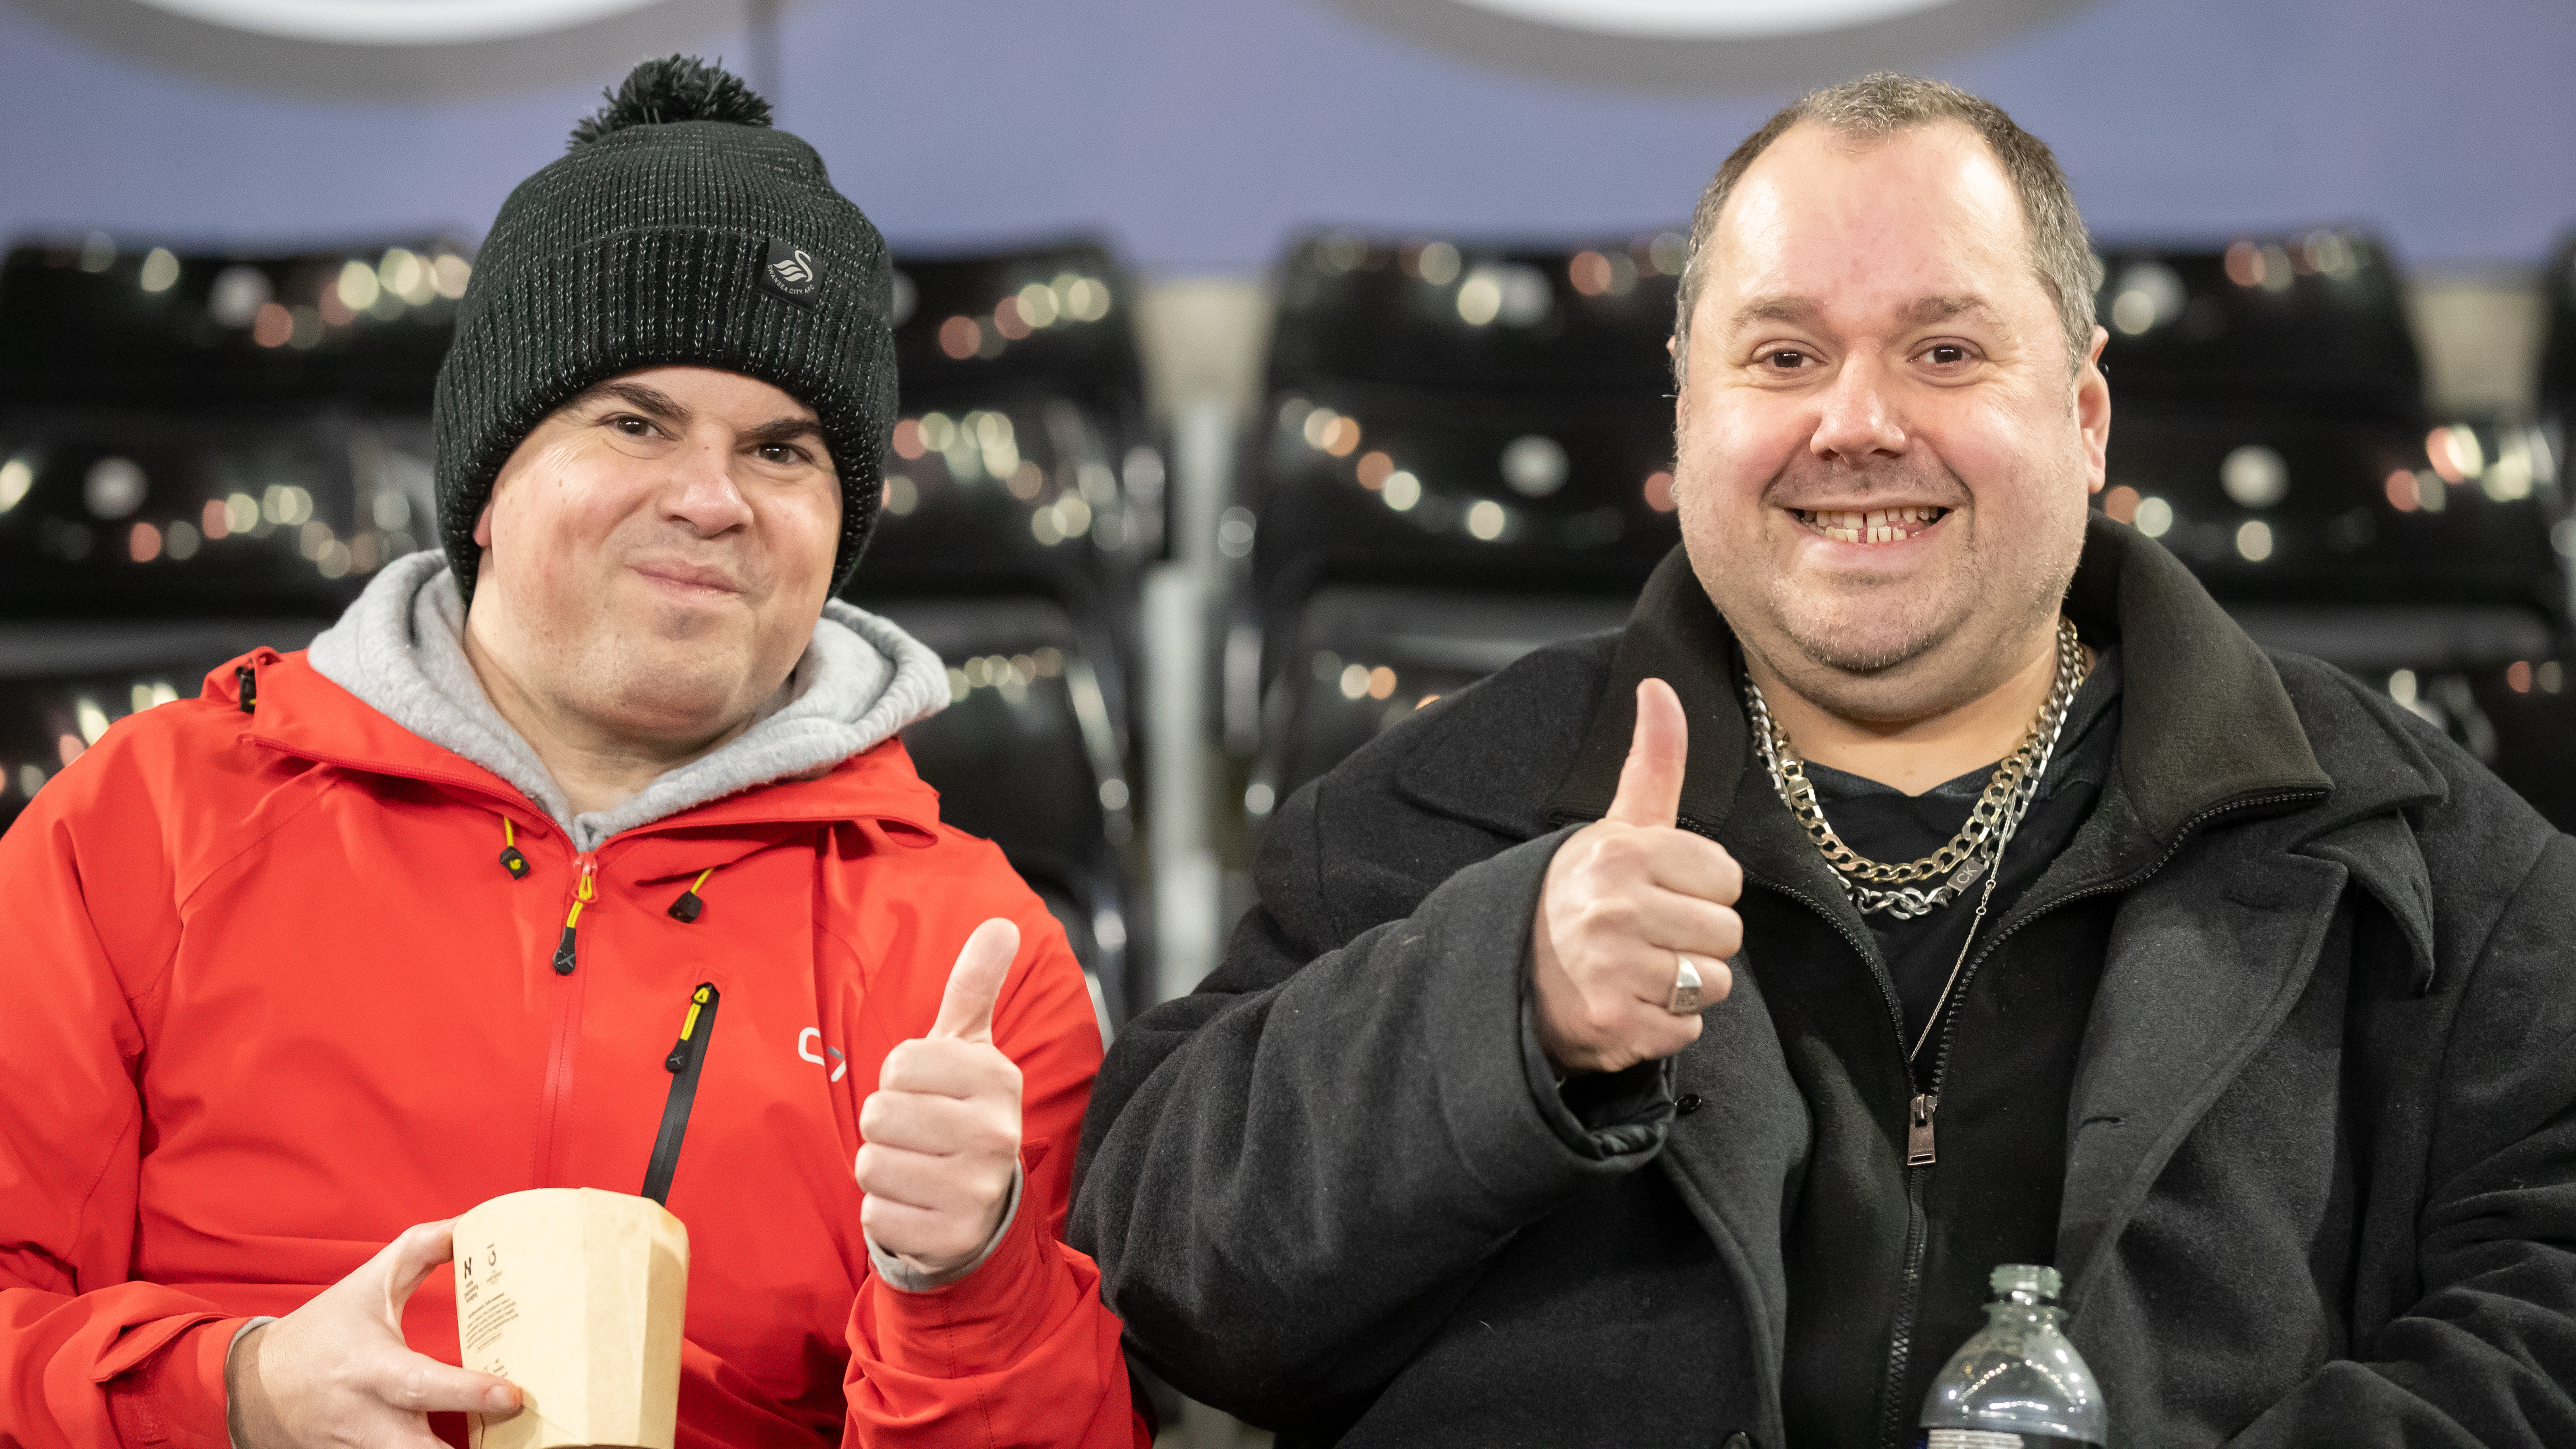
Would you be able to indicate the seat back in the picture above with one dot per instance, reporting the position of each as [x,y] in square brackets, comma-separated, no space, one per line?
[193,434]
[1054,318]
[1029,756]
[1465,452]
[2310,323]
[2268,425]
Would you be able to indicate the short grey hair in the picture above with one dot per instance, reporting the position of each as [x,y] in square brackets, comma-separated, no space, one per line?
[1878,106]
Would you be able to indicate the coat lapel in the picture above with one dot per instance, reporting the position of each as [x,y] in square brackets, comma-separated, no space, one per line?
[2205,961]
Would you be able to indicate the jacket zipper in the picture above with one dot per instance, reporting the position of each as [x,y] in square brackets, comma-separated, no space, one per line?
[1910,1286]
[1920,1141]
[687,1059]
[566,1033]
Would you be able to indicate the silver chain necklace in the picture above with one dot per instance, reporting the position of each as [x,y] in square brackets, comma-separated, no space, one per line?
[1981,861]
[1918,887]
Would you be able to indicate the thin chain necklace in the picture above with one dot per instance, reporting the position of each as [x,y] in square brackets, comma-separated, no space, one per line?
[1984,857]
[1918,887]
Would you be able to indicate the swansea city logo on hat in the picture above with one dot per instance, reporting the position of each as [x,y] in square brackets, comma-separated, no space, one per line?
[790,272]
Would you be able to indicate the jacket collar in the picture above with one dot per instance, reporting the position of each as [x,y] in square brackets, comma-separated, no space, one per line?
[300,713]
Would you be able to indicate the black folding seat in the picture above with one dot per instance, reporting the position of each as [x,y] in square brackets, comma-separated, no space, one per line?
[2268,426]
[1058,317]
[1009,492]
[1028,755]
[1024,495]
[1466,454]
[1046,336]
[199,454]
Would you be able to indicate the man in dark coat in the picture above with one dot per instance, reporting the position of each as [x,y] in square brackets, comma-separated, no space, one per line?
[1659,1042]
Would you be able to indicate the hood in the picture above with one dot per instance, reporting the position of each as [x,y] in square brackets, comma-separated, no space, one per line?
[400,650]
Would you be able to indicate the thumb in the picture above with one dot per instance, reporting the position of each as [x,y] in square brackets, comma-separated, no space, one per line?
[425,1385]
[1650,783]
[966,1011]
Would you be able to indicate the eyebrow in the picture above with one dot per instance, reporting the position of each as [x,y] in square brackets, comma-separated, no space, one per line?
[650,401]
[783,430]
[1927,310]
[1776,309]
[1923,311]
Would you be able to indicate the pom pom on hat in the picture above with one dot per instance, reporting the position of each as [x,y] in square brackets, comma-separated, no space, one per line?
[674,88]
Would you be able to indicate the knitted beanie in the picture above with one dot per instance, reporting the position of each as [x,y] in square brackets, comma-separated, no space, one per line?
[682,229]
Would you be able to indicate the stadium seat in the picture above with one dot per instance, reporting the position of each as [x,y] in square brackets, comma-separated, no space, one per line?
[186,435]
[199,454]
[1465,454]
[1008,491]
[2310,323]
[1365,658]
[2280,511]
[1029,755]
[1054,318]
[2268,426]
[1024,497]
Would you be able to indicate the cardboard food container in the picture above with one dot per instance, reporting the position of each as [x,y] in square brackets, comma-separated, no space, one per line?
[576,1296]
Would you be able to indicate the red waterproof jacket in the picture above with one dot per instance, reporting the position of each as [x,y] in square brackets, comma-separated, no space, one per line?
[271,996]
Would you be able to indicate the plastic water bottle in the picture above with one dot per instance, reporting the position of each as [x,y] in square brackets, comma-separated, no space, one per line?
[2017,1384]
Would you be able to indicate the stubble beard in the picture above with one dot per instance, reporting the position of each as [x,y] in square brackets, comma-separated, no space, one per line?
[1886,653]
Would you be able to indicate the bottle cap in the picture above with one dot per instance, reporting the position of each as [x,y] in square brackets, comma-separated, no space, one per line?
[2025,1281]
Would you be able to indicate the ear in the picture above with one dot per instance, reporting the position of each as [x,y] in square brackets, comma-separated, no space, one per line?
[1681,393]
[2093,412]
[483,523]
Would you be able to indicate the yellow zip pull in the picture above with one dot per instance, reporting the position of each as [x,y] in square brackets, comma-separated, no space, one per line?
[679,1057]
[511,860]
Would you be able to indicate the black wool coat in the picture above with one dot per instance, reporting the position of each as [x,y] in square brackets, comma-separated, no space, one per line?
[2320,1143]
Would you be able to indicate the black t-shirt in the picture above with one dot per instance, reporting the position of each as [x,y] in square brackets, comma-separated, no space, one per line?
[1885,824]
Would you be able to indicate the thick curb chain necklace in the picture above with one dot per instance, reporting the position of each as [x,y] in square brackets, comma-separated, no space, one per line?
[1918,887]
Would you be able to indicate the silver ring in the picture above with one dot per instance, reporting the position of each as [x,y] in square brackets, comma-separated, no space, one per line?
[1685,998]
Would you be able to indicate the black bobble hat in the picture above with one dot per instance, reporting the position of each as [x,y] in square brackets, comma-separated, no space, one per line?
[680,229]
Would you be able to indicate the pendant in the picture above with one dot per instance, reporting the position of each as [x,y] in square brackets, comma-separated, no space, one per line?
[1968,874]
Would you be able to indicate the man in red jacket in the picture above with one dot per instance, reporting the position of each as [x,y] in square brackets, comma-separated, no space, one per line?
[370,934]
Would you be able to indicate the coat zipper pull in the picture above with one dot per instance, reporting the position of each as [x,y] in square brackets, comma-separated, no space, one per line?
[678,1060]
[685,910]
[686,1063]
[1918,1130]
[582,895]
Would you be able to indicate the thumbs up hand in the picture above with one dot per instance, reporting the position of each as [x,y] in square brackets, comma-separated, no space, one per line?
[1627,898]
[942,1128]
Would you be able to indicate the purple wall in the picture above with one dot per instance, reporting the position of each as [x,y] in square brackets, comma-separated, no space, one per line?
[1199,134]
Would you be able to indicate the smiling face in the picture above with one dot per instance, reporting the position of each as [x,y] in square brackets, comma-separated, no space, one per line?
[656,553]
[1884,454]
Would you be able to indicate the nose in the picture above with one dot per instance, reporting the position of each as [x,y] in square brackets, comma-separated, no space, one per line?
[703,493]
[1858,421]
